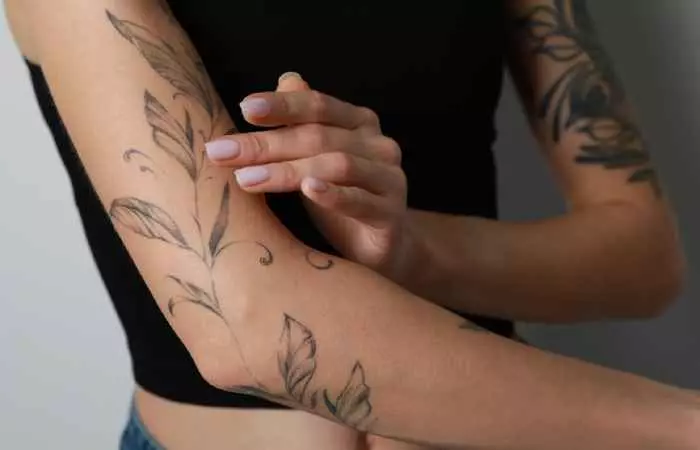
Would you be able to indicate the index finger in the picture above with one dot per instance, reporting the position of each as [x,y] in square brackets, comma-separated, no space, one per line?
[308,106]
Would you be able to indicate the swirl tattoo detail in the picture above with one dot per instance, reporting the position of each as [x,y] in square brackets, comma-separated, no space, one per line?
[588,98]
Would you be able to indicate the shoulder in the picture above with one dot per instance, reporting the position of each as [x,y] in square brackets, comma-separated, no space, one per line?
[20,18]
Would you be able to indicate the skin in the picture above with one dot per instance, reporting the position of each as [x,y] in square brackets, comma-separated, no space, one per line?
[208,251]
[615,252]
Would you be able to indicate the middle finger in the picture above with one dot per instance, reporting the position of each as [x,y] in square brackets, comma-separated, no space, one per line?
[307,106]
[285,144]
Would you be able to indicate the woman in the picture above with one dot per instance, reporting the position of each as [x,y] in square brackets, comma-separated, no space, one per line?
[262,316]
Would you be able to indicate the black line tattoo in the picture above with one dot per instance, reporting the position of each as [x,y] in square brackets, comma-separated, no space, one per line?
[312,258]
[183,69]
[176,139]
[297,359]
[588,98]
[173,134]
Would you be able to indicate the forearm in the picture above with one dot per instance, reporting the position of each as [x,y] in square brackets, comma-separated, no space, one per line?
[415,374]
[606,261]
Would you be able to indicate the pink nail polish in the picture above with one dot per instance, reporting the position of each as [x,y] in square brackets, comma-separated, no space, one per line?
[251,176]
[222,149]
[257,107]
[316,185]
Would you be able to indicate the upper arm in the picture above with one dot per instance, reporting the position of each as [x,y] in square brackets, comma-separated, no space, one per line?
[139,106]
[576,104]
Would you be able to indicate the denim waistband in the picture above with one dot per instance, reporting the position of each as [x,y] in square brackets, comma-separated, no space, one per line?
[136,436]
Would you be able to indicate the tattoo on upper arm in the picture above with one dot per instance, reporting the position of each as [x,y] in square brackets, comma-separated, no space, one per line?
[174,136]
[588,98]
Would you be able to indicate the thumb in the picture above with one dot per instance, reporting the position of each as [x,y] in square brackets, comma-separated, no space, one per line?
[291,81]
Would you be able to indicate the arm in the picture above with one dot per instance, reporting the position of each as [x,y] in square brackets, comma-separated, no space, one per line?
[261,314]
[615,254]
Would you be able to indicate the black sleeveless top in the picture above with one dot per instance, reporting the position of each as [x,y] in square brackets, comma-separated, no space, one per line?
[433,73]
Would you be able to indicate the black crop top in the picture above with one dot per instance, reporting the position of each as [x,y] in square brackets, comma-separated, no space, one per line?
[432,71]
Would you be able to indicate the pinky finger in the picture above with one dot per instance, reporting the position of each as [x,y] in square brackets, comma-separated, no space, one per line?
[349,201]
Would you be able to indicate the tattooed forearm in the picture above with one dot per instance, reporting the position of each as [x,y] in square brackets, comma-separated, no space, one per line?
[588,98]
[297,358]
[195,106]
[173,135]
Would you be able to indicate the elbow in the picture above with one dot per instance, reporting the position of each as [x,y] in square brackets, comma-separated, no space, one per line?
[227,371]
[659,276]
[661,289]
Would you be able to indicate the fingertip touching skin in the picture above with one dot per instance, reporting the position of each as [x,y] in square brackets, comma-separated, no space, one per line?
[334,153]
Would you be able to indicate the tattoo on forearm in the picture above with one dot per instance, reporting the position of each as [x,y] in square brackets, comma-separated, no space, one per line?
[297,358]
[175,138]
[588,98]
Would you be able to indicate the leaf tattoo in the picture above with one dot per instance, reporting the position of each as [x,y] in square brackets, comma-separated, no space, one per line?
[296,358]
[352,405]
[148,220]
[194,294]
[173,138]
[221,224]
[180,71]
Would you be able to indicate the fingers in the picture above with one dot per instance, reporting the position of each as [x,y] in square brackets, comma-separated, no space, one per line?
[305,106]
[337,168]
[348,201]
[302,141]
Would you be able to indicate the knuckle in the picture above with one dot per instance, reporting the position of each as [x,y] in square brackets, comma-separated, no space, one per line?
[391,150]
[258,147]
[315,137]
[318,105]
[342,164]
[287,174]
[369,116]
[398,176]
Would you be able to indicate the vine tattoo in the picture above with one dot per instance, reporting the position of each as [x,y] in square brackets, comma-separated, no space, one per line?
[176,137]
[297,363]
[588,98]
[177,140]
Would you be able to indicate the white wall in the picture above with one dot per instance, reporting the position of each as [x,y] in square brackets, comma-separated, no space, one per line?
[64,374]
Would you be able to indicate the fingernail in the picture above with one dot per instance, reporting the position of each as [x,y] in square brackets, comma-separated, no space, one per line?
[223,149]
[287,75]
[316,185]
[250,176]
[258,107]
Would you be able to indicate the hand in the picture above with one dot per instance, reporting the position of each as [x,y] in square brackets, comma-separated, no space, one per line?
[335,154]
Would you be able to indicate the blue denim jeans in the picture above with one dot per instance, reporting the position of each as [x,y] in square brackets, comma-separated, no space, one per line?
[136,436]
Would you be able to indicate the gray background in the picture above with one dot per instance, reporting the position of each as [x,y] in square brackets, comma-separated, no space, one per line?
[64,372]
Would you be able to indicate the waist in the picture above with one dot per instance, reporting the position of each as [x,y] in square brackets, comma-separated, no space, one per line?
[177,426]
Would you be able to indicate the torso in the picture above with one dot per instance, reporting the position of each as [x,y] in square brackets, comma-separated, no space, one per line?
[430,73]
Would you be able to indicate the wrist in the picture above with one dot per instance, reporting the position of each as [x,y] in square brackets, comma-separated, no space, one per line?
[408,266]
[674,424]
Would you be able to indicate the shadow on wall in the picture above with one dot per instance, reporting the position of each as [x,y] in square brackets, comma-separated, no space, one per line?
[660,67]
